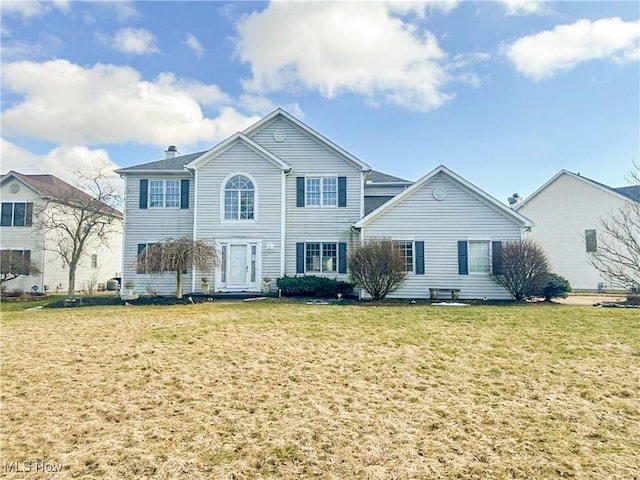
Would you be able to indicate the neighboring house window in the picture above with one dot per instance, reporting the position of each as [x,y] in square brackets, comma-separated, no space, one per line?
[479,256]
[239,199]
[94,260]
[321,257]
[321,191]
[406,250]
[591,242]
[16,261]
[164,193]
[18,214]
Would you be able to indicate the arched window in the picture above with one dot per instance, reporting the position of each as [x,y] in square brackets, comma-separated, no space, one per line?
[239,198]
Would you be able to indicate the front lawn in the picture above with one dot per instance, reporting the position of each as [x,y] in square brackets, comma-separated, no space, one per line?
[286,390]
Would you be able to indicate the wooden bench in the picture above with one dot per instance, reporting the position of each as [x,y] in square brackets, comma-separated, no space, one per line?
[434,292]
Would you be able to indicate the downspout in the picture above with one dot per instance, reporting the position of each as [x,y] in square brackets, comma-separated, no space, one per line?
[195,224]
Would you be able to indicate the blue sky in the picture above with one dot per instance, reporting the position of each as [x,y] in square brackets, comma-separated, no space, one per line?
[505,93]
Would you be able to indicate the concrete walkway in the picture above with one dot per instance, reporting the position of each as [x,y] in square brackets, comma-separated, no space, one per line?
[589,299]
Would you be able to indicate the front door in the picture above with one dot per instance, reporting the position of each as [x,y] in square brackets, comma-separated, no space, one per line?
[238,266]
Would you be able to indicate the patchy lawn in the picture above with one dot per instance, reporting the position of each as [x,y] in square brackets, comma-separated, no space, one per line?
[270,390]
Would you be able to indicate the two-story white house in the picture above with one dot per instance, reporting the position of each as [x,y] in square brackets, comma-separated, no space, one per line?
[568,210]
[23,196]
[280,199]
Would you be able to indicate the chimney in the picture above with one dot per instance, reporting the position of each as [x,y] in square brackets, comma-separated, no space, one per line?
[171,152]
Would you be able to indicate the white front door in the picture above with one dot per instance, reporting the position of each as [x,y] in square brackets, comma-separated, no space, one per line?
[238,266]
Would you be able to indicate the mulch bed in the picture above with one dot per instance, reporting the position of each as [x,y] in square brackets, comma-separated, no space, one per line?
[158,300]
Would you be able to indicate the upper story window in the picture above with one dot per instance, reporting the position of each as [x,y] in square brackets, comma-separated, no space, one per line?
[239,199]
[164,193]
[321,191]
[479,256]
[16,214]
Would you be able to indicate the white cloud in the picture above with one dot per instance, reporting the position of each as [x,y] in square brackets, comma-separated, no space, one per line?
[547,53]
[30,8]
[70,104]
[46,46]
[194,44]
[351,47]
[26,8]
[135,41]
[61,161]
[524,7]
[422,7]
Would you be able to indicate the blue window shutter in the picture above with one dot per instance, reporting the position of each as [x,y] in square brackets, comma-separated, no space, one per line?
[496,257]
[419,258]
[184,194]
[299,191]
[342,258]
[144,193]
[300,257]
[463,263]
[342,191]
[141,247]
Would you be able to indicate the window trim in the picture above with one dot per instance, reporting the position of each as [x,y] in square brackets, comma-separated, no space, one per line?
[413,253]
[321,246]
[490,256]
[321,179]
[164,193]
[223,191]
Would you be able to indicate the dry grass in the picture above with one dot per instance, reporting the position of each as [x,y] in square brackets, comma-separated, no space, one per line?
[268,390]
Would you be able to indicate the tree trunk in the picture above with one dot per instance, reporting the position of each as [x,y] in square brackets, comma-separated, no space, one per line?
[72,281]
[179,284]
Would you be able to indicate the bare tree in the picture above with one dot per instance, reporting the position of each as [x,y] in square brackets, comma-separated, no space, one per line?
[74,218]
[14,263]
[177,255]
[524,269]
[617,254]
[378,266]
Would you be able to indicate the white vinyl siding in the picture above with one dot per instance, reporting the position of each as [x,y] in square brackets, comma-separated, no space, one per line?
[441,224]
[312,159]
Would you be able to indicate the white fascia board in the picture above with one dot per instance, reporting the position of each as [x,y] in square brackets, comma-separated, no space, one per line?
[483,196]
[228,143]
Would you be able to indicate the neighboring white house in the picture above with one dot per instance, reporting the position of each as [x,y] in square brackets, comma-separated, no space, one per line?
[567,211]
[22,197]
[281,199]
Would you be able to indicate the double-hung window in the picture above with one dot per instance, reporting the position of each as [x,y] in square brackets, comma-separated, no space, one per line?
[591,243]
[321,257]
[321,191]
[479,256]
[164,193]
[406,250]
[17,262]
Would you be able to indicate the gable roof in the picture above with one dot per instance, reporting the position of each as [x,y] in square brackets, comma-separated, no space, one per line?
[627,193]
[481,194]
[228,143]
[53,188]
[328,143]
[379,177]
[174,164]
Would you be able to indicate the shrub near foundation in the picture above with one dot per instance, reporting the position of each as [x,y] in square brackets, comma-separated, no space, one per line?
[312,286]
